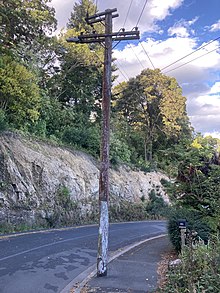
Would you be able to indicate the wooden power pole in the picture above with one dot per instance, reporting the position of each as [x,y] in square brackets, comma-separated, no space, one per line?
[107,38]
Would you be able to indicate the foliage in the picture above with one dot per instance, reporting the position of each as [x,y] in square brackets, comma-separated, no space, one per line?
[169,153]
[199,270]
[85,137]
[54,118]
[156,207]
[7,227]
[125,211]
[119,150]
[79,13]
[197,184]
[20,98]
[24,21]
[80,78]
[153,106]
[3,122]
[195,221]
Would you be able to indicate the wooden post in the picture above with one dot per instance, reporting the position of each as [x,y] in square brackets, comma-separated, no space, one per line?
[183,238]
[102,258]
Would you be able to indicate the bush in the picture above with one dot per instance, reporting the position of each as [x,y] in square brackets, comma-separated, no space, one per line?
[199,270]
[127,211]
[119,151]
[194,222]
[86,138]
[3,122]
[156,207]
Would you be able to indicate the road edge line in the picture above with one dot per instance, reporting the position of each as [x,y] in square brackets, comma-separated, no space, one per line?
[83,278]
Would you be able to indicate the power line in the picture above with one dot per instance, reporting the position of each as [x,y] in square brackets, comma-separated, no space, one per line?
[136,56]
[127,13]
[122,71]
[96,4]
[192,60]
[147,55]
[190,53]
[141,12]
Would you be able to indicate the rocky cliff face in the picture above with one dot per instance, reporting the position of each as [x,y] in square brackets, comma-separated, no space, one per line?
[43,184]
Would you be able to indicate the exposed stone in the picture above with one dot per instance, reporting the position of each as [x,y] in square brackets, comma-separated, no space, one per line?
[38,181]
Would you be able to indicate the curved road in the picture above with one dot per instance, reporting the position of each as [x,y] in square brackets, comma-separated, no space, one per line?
[46,261]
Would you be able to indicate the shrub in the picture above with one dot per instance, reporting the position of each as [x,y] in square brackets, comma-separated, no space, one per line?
[127,211]
[3,122]
[86,138]
[119,151]
[156,207]
[194,222]
[199,270]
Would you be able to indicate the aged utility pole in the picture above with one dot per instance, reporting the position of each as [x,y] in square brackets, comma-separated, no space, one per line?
[102,257]
[107,38]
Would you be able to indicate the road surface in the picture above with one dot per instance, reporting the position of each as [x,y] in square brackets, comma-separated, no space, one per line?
[47,261]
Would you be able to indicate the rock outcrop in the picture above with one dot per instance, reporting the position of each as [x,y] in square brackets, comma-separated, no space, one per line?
[39,182]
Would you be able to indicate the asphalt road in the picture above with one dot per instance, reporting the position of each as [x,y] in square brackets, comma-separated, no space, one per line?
[46,261]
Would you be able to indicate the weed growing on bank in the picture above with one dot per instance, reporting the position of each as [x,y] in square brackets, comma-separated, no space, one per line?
[199,271]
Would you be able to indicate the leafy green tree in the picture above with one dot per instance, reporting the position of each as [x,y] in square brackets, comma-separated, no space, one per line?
[19,93]
[24,21]
[197,183]
[153,105]
[80,78]
[24,34]
[81,10]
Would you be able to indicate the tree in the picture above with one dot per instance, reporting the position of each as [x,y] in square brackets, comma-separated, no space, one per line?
[19,93]
[24,34]
[153,105]
[80,78]
[80,11]
[197,183]
[24,21]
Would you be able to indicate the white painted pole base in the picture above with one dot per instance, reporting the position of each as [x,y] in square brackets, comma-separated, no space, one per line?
[102,258]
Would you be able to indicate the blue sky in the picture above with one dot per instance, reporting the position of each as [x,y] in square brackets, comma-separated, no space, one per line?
[171,29]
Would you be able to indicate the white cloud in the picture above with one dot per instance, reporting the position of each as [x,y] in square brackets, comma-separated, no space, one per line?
[205,110]
[178,31]
[214,134]
[182,28]
[203,99]
[161,9]
[63,10]
[215,88]
[215,26]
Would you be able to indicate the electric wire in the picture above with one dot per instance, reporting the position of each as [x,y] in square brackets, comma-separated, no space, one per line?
[190,54]
[122,71]
[147,55]
[141,12]
[136,56]
[96,6]
[192,60]
[128,13]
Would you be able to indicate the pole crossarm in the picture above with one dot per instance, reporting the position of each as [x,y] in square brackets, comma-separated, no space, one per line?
[98,17]
[100,38]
